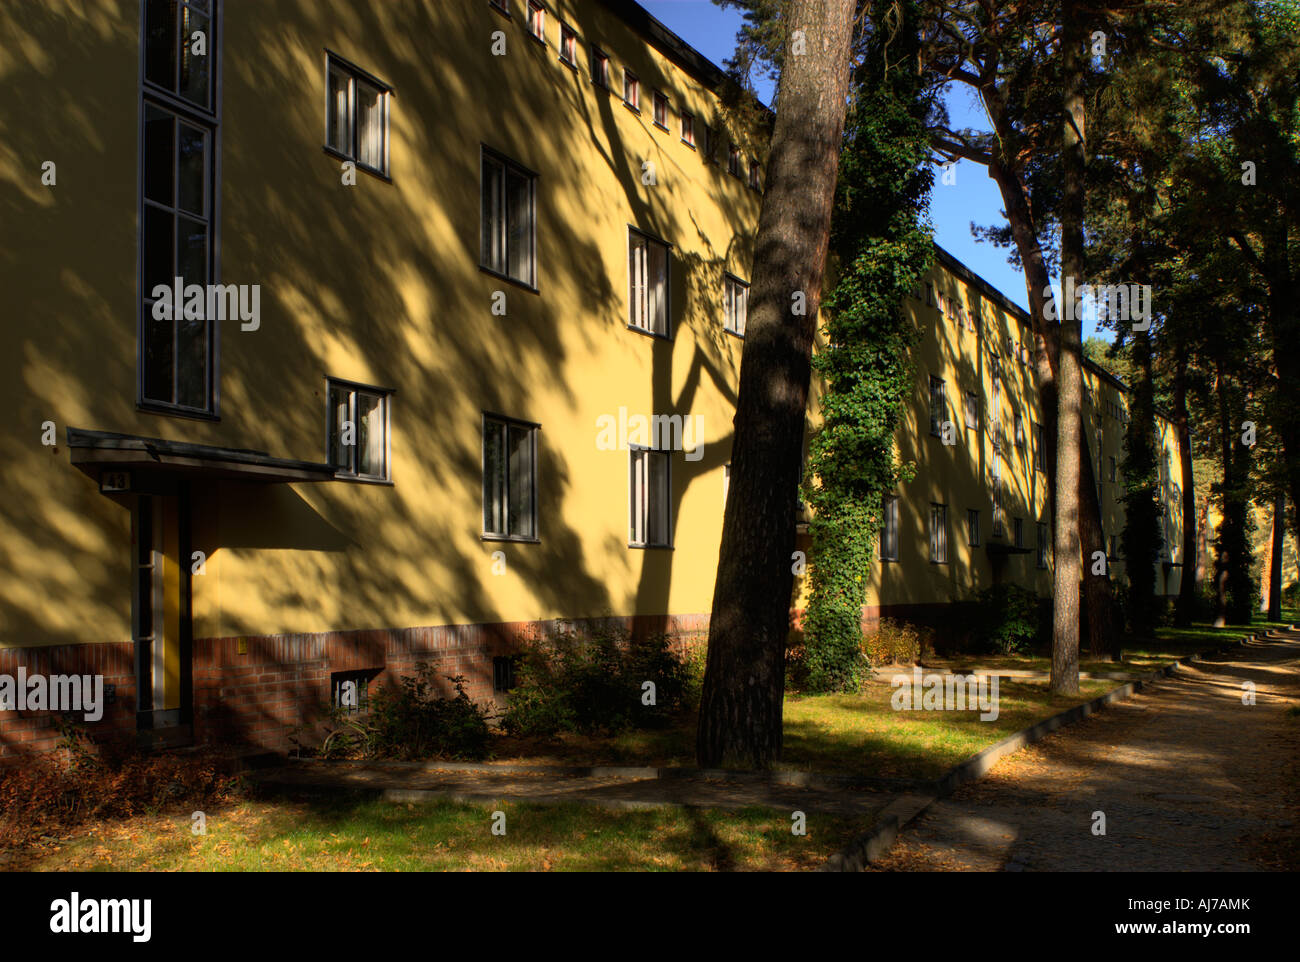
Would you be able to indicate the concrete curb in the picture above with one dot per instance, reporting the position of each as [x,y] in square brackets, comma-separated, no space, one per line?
[877,840]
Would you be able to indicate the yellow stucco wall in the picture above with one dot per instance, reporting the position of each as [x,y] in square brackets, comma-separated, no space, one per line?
[379,283]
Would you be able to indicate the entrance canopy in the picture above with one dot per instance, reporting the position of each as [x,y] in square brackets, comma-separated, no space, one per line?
[113,460]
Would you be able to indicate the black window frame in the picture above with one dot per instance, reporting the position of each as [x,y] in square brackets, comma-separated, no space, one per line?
[731,279]
[386,90]
[350,473]
[531,7]
[888,542]
[509,166]
[649,452]
[205,116]
[631,83]
[668,331]
[936,425]
[534,433]
[595,57]
[659,99]
[568,38]
[938,533]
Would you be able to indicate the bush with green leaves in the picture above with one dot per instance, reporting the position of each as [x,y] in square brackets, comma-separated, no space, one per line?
[594,682]
[409,720]
[1008,618]
[412,720]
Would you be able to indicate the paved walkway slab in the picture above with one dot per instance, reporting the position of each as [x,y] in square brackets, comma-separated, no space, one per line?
[1186,776]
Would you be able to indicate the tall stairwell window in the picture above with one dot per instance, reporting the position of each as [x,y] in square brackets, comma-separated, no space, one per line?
[179,140]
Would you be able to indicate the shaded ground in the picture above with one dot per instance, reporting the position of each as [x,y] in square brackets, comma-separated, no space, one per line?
[611,791]
[1188,778]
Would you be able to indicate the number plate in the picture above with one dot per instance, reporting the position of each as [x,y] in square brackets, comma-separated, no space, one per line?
[114,481]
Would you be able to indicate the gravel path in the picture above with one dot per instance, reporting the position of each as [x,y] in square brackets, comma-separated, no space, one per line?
[1188,779]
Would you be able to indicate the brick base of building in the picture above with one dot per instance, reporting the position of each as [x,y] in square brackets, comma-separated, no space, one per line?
[262,690]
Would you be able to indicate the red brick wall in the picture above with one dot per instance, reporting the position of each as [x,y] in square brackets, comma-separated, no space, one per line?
[33,731]
[255,690]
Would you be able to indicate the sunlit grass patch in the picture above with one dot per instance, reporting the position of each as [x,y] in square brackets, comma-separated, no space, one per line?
[344,835]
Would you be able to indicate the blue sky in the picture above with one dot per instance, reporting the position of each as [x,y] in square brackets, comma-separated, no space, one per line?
[973,197]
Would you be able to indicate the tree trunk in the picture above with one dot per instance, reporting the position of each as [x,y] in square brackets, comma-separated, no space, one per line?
[1191,560]
[1275,558]
[1069,394]
[1221,558]
[1103,632]
[744,680]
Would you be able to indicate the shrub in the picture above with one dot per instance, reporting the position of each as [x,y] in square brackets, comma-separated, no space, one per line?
[57,791]
[895,642]
[1008,618]
[833,656]
[411,720]
[593,682]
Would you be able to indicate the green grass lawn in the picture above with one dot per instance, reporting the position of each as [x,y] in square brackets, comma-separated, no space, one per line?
[342,835]
[849,734]
[1168,645]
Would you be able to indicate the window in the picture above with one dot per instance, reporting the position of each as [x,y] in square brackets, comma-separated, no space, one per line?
[929,295]
[631,90]
[661,110]
[889,529]
[599,68]
[509,478]
[688,129]
[973,528]
[754,181]
[995,409]
[709,143]
[503,673]
[358,430]
[1042,544]
[508,204]
[938,534]
[735,295]
[356,115]
[1020,532]
[938,406]
[176,362]
[733,160]
[349,690]
[649,486]
[1040,448]
[972,409]
[568,45]
[999,511]
[647,273]
[1112,469]
[1020,431]
[537,20]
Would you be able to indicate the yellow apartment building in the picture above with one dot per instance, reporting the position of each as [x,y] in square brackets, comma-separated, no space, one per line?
[346,335]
